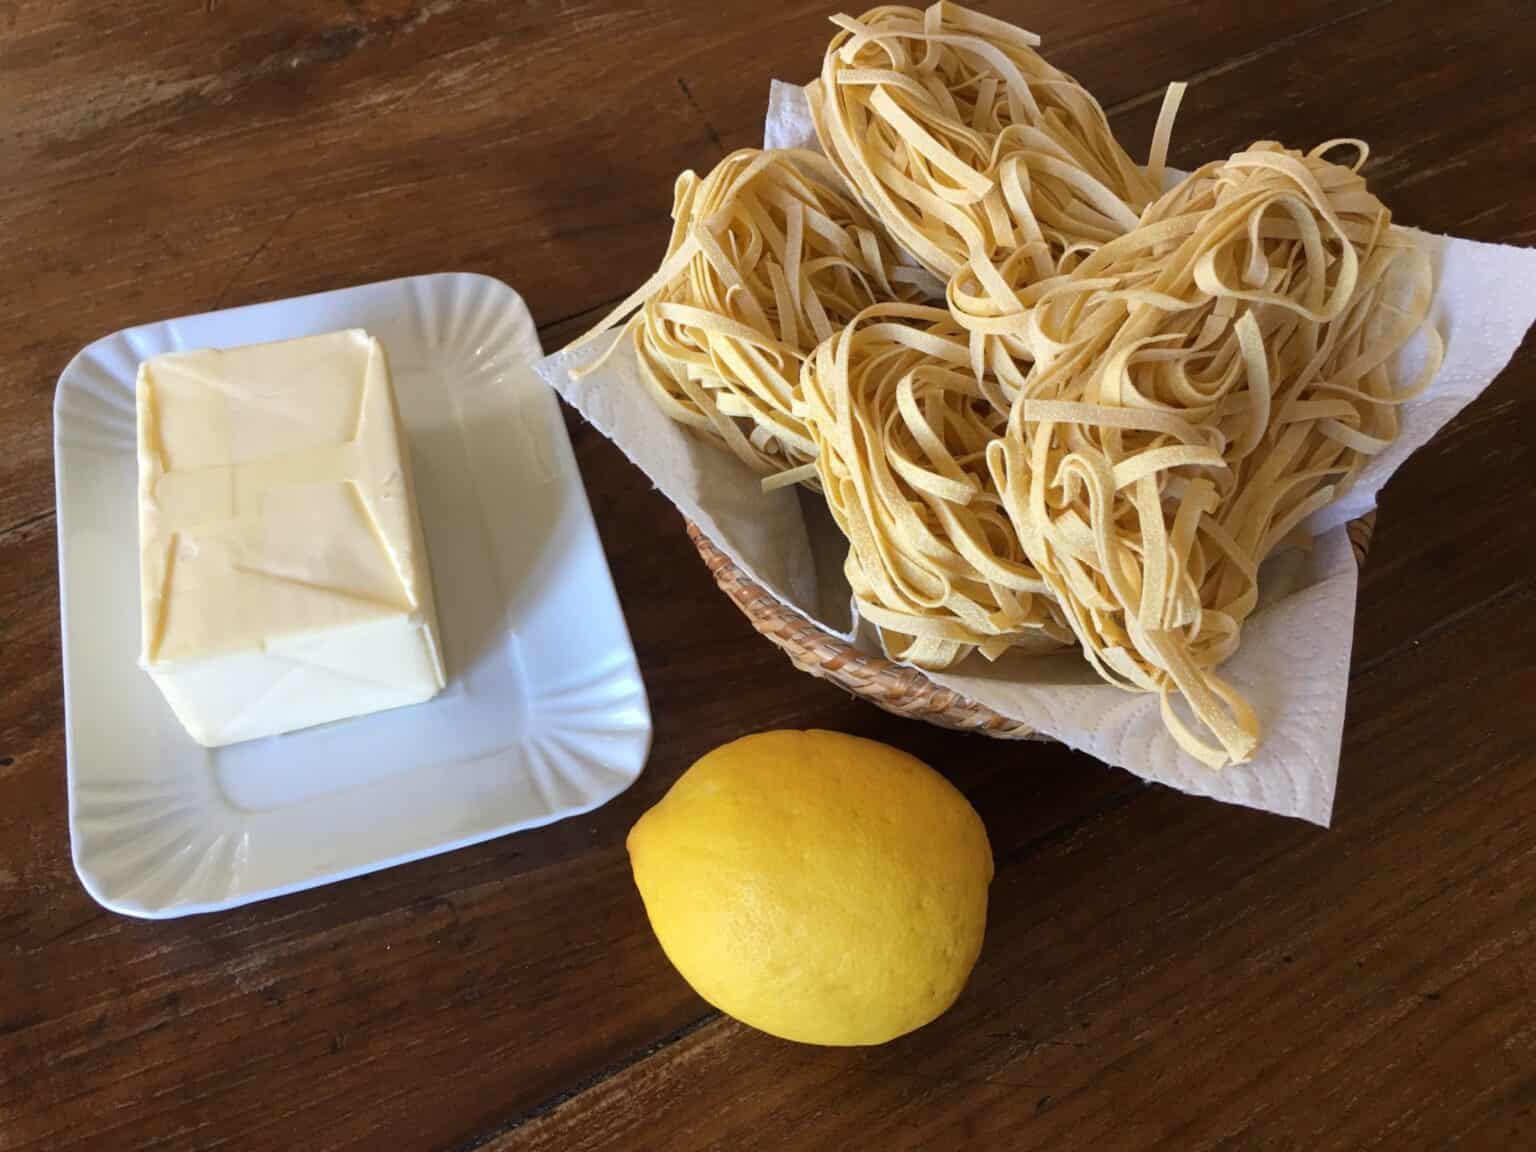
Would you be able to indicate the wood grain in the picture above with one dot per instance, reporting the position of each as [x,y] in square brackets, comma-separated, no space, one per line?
[1160,971]
[1292,989]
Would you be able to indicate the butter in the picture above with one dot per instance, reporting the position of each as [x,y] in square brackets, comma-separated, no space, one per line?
[282,570]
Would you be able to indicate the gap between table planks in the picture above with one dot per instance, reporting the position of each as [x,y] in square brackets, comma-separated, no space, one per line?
[1160,969]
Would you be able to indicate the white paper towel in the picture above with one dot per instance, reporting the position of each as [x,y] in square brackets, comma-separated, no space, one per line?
[1293,664]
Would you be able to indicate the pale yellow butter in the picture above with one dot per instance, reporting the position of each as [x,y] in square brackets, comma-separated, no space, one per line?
[282,568]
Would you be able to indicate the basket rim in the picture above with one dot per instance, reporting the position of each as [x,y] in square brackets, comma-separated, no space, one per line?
[898,688]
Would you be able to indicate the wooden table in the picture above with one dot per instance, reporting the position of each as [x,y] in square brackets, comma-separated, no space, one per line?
[1160,971]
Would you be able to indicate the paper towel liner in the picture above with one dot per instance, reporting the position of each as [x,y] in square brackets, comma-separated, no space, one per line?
[1293,664]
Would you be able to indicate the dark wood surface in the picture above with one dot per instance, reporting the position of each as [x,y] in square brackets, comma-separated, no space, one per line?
[1160,971]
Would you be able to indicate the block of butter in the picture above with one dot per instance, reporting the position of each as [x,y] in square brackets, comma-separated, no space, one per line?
[282,569]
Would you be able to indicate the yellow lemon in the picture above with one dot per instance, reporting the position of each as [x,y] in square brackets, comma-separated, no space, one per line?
[816,886]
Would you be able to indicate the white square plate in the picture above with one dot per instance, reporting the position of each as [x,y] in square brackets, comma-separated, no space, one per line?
[544,715]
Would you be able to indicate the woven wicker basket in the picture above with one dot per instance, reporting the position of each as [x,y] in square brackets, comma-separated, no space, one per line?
[894,687]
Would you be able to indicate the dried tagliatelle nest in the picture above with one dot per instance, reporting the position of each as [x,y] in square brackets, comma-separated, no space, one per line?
[769,255]
[1198,388]
[969,146]
[901,428]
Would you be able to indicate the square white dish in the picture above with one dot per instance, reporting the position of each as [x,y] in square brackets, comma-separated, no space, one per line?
[544,716]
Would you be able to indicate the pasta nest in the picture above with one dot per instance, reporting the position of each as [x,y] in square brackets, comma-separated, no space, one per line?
[768,256]
[1194,391]
[901,428]
[969,146]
